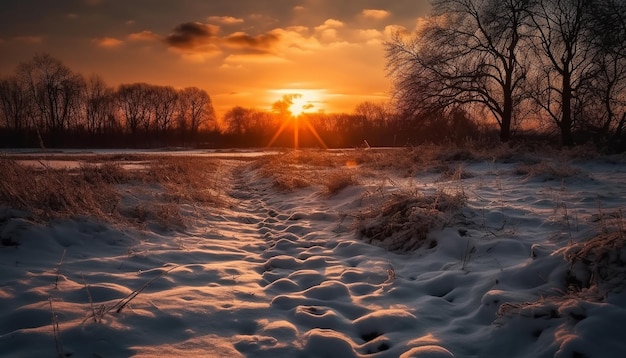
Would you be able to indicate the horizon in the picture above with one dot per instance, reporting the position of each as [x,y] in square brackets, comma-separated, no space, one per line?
[243,54]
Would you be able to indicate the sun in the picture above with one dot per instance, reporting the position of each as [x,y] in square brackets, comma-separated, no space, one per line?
[299,105]
[302,100]
[291,107]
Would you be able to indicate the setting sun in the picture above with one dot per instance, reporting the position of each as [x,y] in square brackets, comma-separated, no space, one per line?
[303,100]
[299,105]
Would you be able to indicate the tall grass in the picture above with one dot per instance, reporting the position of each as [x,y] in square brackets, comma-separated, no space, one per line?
[403,221]
[97,189]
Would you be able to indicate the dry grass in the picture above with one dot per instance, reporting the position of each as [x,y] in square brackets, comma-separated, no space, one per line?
[452,173]
[52,193]
[600,261]
[336,181]
[96,189]
[547,170]
[305,168]
[403,221]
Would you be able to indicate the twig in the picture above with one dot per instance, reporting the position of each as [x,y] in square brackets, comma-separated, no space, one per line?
[56,281]
[119,306]
[56,331]
[93,309]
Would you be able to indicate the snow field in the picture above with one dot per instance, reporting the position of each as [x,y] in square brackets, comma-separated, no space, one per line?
[283,273]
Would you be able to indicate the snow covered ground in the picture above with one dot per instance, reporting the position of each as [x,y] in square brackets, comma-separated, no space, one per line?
[529,263]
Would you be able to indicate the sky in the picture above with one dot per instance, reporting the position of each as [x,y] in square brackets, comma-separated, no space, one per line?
[242,52]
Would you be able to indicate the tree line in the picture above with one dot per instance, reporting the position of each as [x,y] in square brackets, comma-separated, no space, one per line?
[553,65]
[45,104]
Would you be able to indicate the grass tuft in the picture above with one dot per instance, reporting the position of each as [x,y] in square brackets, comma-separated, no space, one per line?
[547,170]
[402,223]
[338,180]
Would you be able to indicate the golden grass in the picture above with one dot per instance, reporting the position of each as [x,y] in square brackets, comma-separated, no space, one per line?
[96,189]
[547,170]
[403,220]
[305,168]
[52,193]
[337,180]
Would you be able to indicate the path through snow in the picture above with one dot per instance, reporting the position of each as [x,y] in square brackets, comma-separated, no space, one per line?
[277,274]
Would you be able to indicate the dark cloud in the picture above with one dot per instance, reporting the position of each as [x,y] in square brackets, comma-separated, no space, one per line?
[260,43]
[191,35]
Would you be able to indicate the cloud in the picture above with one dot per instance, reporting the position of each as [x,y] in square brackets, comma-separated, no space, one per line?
[375,14]
[328,30]
[193,39]
[330,24]
[93,2]
[225,20]
[108,42]
[262,43]
[71,16]
[238,59]
[192,36]
[370,36]
[295,39]
[144,36]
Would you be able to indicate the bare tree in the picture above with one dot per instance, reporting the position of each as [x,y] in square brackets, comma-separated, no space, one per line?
[165,105]
[565,56]
[607,89]
[133,102]
[467,53]
[98,104]
[14,103]
[55,90]
[236,120]
[196,110]
[376,114]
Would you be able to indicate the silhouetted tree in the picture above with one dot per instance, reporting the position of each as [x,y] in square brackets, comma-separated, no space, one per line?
[195,111]
[55,91]
[565,58]
[14,103]
[134,103]
[99,105]
[466,53]
[607,89]
[236,120]
[165,105]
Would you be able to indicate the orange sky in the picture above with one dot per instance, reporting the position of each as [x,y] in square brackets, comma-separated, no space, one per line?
[242,52]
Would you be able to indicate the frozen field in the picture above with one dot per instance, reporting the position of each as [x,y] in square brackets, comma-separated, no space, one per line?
[327,254]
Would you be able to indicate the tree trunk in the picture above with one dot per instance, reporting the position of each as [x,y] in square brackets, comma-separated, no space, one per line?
[507,115]
[567,139]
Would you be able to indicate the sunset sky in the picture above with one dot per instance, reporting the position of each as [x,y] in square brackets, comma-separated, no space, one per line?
[242,52]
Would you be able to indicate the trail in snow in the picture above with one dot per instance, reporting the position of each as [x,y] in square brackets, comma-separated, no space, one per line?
[276,274]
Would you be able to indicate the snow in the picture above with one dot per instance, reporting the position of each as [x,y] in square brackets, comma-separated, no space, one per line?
[277,273]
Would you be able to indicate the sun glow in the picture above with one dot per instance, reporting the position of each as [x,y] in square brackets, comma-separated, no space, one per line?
[302,100]
[299,105]
[292,106]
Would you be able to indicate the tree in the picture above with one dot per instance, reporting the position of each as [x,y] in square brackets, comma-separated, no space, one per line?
[133,102]
[164,104]
[55,90]
[565,55]
[14,103]
[607,89]
[236,120]
[196,110]
[466,53]
[98,104]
